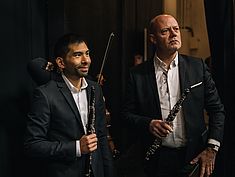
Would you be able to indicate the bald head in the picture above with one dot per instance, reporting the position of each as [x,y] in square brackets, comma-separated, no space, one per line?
[154,23]
[165,35]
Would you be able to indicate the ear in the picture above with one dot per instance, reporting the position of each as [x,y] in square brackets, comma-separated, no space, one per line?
[152,39]
[60,63]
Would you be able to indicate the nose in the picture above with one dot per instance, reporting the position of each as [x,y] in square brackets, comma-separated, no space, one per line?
[173,32]
[85,59]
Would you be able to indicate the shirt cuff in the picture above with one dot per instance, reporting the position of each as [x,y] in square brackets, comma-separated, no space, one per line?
[78,150]
[214,142]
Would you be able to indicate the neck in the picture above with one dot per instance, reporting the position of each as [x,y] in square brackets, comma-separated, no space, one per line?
[167,58]
[76,81]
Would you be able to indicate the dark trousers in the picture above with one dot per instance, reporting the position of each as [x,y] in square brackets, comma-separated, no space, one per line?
[167,162]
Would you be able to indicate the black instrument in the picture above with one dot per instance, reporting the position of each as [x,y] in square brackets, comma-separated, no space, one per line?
[90,130]
[171,116]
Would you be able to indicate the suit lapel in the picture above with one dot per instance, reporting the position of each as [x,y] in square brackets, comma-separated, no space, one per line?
[152,78]
[182,70]
[70,100]
[88,90]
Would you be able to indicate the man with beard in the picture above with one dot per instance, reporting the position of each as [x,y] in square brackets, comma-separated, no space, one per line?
[57,125]
[154,87]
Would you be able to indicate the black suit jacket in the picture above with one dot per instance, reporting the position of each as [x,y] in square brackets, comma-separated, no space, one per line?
[53,126]
[142,103]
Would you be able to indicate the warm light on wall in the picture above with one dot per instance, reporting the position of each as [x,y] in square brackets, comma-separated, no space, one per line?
[170,7]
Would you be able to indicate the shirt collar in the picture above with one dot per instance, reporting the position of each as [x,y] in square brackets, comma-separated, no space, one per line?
[71,87]
[161,64]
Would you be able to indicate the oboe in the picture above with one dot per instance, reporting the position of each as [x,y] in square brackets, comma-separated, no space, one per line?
[171,116]
[90,130]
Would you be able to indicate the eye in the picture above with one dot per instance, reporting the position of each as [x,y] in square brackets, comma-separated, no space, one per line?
[77,54]
[176,28]
[87,53]
[164,31]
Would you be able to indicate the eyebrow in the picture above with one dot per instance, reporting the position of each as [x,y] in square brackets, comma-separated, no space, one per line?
[80,52]
[170,27]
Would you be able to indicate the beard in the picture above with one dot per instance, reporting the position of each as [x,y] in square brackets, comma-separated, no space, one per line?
[82,69]
[80,73]
[175,45]
[77,71]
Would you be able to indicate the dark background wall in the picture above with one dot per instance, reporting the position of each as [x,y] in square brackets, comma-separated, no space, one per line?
[30,28]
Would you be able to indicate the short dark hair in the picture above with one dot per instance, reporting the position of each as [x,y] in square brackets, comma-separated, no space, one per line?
[62,45]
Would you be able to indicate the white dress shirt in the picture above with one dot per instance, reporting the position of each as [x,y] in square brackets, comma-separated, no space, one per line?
[169,92]
[80,98]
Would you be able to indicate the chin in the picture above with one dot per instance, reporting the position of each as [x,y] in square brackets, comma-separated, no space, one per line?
[175,47]
[82,74]
[85,74]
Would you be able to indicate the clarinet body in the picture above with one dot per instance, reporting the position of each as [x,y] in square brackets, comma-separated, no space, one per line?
[90,130]
[171,116]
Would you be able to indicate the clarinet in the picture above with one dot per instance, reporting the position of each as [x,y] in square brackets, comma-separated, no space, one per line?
[171,116]
[90,130]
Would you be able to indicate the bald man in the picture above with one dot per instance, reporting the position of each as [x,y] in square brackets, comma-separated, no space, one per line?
[154,87]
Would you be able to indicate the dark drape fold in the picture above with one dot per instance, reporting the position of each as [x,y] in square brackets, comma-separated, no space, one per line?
[220,24]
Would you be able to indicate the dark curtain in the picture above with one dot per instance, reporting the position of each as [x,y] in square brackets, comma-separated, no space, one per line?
[220,25]
[23,37]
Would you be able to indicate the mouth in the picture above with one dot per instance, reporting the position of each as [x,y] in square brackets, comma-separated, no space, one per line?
[84,69]
[174,42]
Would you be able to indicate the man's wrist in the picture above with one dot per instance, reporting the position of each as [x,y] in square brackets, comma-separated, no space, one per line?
[213,147]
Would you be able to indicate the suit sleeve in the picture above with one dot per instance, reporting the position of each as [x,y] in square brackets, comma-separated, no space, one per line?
[130,109]
[37,143]
[214,107]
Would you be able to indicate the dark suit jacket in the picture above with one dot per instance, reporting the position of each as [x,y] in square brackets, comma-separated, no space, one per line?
[53,126]
[142,103]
